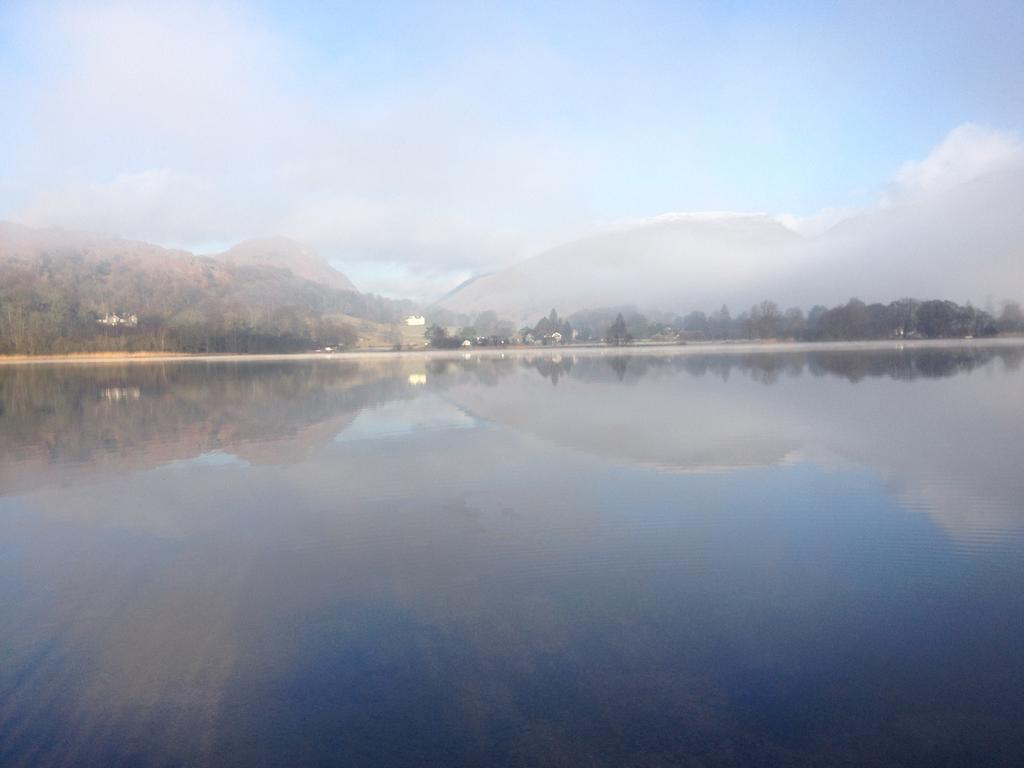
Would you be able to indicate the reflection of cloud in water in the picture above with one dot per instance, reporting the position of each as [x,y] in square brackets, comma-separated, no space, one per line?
[938,423]
[948,444]
[425,414]
[211,460]
[650,424]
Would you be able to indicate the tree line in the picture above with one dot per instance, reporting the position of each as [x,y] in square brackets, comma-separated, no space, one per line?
[41,319]
[854,320]
[61,328]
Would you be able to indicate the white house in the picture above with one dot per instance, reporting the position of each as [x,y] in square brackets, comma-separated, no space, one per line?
[112,318]
[415,320]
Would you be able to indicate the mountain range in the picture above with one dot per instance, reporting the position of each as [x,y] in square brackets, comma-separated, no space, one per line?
[107,271]
[965,242]
[63,291]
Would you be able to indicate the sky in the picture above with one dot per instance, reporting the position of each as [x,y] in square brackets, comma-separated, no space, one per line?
[417,144]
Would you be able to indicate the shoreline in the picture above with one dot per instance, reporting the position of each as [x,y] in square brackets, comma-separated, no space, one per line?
[714,347]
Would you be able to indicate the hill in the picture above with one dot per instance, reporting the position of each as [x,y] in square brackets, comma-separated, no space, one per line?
[284,253]
[63,291]
[965,242]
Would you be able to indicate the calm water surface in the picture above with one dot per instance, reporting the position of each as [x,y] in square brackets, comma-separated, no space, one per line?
[807,558]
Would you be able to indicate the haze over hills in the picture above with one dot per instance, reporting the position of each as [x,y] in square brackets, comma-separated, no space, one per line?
[677,261]
[284,253]
[277,256]
[948,227]
[111,274]
[56,286]
[965,242]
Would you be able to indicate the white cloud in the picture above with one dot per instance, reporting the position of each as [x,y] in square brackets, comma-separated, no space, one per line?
[161,205]
[816,223]
[967,153]
[399,279]
[217,133]
[956,233]
[194,122]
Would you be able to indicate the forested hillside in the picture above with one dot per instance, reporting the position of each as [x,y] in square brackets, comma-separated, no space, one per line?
[63,292]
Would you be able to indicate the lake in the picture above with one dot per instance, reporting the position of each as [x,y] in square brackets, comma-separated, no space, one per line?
[594,559]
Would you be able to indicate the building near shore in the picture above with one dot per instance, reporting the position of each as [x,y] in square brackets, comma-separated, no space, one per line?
[114,319]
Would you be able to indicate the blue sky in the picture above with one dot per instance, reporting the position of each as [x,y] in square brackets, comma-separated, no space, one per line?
[418,143]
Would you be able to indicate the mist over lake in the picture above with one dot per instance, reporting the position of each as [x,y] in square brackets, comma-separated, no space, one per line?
[568,558]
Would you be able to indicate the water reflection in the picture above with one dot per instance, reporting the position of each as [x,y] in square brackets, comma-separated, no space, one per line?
[69,424]
[950,450]
[797,558]
[61,423]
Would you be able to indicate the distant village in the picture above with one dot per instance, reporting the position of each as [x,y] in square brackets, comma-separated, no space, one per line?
[488,331]
[855,320]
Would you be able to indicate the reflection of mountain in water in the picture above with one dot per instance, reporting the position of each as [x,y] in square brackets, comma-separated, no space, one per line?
[61,422]
[767,366]
[950,448]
